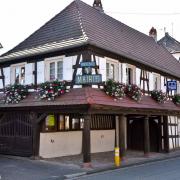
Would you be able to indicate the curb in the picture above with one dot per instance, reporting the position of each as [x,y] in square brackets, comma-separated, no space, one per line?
[110,168]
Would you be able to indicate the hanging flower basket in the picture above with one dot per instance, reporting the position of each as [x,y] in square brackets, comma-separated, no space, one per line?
[134,92]
[114,89]
[159,96]
[50,90]
[15,93]
[176,99]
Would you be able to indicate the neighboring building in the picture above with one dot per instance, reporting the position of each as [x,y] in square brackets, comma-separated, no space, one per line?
[86,120]
[171,44]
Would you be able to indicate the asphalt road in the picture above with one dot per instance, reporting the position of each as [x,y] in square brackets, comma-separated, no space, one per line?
[25,169]
[162,170]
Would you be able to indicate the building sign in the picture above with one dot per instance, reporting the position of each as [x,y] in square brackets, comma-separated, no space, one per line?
[50,120]
[171,85]
[88,79]
[87,64]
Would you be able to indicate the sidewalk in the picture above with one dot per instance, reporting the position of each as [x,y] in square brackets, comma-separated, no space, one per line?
[105,161]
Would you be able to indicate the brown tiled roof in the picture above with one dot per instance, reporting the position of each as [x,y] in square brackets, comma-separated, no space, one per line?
[95,97]
[80,24]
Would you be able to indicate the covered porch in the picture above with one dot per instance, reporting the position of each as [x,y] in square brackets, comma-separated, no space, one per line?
[103,123]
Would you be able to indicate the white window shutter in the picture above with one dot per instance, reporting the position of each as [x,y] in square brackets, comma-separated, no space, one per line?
[29,77]
[124,72]
[138,74]
[67,68]
[163,88]
[7,75]
[40,72]
[102,68]
[151,82]
[120,72]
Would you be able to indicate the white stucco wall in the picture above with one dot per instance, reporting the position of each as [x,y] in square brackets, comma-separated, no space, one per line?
[59,144]
[174,130]
[102,140]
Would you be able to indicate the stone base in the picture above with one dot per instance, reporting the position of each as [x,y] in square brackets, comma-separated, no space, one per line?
[87,165]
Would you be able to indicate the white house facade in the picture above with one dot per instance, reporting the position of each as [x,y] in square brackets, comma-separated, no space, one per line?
[86,118]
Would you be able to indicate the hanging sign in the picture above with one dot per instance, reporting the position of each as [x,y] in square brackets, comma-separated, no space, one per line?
[88,64]
[171,85]
[88,79]
[51,120]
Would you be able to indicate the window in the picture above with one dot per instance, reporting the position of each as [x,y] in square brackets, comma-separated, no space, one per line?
[54,69]
[129,76]
[112,70]
[18,74]
[50,123]
[156,81]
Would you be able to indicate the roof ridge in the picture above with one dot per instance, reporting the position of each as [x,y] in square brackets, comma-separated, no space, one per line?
[85,36]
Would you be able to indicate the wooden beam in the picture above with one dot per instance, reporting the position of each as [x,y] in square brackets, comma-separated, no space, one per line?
[122,135]
[41,117]
[35,73]
[160,120]
[75,70]
[2,77]
[166,134]
[146,136]
[36,134]
[86,140]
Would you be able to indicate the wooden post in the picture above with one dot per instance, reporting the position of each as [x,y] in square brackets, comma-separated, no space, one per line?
[122,135]
[160,133]
[36,134]
[146,136]
[87,141]
[166,134]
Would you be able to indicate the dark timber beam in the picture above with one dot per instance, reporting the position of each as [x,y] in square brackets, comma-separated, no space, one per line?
[166,134]
[35,73]
[87,141]
[122,135]
[36,134]
[146,136]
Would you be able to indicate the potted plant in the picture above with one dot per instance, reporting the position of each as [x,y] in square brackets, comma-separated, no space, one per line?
[159,96]
[15,93]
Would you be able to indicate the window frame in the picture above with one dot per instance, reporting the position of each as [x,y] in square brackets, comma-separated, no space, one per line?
[114,63]
[13,73]
[55,60]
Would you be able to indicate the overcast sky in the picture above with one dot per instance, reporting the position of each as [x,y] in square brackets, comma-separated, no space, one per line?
[20,18]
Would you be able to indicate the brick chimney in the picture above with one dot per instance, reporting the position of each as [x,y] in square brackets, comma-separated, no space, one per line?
[98,5]
[153,33]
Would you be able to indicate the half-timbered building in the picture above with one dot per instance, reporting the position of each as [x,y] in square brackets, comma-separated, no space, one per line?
[85,47]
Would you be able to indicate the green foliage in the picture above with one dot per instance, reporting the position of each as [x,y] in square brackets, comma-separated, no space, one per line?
[134,92]
[176,99]
[159,96]
[114,89]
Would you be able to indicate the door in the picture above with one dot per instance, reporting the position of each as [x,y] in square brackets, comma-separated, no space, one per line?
[16,134]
